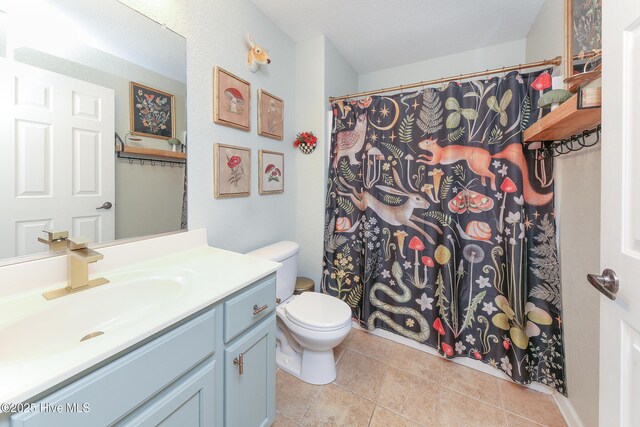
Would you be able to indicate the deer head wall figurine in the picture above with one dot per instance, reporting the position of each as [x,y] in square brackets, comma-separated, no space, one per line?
[257,55]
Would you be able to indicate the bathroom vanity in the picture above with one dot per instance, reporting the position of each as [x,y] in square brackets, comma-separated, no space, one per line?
[185,337]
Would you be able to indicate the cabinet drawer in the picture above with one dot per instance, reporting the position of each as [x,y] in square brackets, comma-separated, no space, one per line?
[115,389]
[241,311]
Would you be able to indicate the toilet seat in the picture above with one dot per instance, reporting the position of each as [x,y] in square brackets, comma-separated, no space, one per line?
[318,312]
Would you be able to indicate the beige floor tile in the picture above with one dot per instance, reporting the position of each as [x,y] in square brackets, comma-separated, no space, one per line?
[456,409]
[360,374]
[398,355]
[516,421]
[414,397]
[338,407]
[371,345]
[472,383]
[383,417]
[531,404]
[294,396]
[417,362]
[282,421]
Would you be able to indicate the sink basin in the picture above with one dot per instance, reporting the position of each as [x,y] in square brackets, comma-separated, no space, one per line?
[44,328]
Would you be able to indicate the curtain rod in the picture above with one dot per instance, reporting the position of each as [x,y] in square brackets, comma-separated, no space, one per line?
[555,61]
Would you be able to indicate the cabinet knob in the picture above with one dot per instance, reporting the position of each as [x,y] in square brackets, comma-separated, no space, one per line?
[240,362]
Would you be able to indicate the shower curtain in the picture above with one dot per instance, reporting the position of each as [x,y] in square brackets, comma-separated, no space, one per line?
[440,227]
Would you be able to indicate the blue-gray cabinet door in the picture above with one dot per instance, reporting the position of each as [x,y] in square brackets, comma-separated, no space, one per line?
[250,396]
[187,403]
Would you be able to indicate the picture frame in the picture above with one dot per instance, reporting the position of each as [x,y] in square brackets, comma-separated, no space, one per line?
[270,115]
[231,100]
[151,112]
[270,172]
[590,95]
[583,36]
[232,171]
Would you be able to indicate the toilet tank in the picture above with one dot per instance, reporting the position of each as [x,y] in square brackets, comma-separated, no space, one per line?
[286,253]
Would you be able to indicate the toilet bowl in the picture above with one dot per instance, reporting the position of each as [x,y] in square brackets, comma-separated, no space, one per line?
[310,325]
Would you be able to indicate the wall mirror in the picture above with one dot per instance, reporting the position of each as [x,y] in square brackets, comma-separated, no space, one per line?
[583,35]
[69,66]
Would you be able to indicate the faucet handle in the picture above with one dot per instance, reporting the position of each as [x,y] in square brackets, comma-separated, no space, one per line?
[56,239]
[56,235]
[76,243]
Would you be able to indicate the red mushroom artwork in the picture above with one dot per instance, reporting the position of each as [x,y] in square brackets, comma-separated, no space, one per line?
[271,179]
[236,101]
[232,100]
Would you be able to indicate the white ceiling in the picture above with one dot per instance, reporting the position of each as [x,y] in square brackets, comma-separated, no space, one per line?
[377,34]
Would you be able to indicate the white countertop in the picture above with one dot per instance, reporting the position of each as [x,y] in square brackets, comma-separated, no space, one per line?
[218,273]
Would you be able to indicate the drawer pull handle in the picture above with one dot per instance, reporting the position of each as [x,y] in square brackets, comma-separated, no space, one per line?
[240,362]
[257,310]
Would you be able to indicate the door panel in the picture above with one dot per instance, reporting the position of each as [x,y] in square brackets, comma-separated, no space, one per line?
[58,162]
[620,220]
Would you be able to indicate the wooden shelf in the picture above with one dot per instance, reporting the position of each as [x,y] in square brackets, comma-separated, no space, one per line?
[151,152]
[563,122]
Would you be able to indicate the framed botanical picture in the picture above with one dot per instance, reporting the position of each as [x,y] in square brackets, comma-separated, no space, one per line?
[270,172]
[270,115]
[232,171]
[152,112]
[231,100]
[583,35]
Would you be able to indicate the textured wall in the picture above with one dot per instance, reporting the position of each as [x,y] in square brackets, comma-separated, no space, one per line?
[578,215]
[465,62]
[321,71]
[215,33]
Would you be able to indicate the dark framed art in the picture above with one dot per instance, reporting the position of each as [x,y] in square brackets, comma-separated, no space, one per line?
[152,112]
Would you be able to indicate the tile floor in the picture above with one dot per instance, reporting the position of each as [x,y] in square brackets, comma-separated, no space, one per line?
[383,383]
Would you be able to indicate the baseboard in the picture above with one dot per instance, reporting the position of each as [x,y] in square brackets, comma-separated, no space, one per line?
[566,408]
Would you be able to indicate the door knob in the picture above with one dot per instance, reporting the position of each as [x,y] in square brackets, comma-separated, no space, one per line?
[607,283]
[105,205]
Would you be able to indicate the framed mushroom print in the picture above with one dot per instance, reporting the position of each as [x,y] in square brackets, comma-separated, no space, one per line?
[231,100]
[270,115]
[151,111]
[232,171]
[270,172]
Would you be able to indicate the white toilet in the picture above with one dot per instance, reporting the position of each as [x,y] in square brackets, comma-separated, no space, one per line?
[310,325]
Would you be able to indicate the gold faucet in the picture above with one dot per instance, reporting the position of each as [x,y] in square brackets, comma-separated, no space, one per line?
[56,239]
[79,256]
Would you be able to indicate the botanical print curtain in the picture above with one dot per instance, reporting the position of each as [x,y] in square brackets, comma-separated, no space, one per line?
[441,228]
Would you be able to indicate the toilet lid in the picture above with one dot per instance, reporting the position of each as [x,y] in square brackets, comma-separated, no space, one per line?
[318,311]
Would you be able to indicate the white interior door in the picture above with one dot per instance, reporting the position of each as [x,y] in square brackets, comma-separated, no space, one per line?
[620,319]
[57,159]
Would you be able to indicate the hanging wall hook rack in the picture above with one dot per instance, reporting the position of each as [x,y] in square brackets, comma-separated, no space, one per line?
[148,155]
[574,143]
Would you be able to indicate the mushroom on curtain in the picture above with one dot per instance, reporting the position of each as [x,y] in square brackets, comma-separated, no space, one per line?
[440,224]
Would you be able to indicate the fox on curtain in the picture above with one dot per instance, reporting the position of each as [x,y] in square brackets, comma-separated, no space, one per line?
[440,225]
